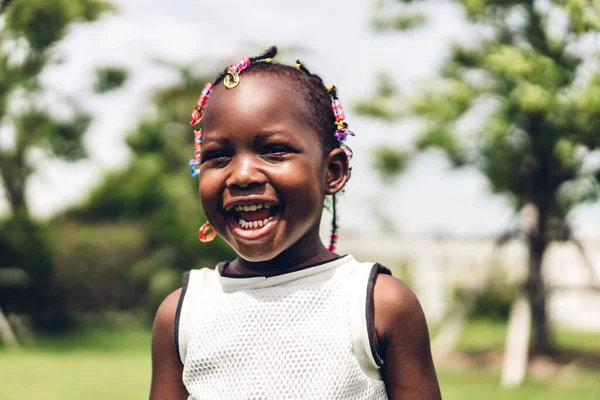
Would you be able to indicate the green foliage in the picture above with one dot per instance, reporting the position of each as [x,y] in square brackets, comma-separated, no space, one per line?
[44,22]
[32,27]
[400,22]
[389,162]
[520,103]
[109,78]
[541,121]
[494,304]
[384,106]
[537,101]
[94,263]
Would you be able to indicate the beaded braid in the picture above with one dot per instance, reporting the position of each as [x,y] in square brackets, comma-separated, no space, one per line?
[341,133]
[237,68]
[333,237]
[231,78]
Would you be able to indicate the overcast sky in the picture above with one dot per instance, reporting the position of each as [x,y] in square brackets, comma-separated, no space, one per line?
[339,45]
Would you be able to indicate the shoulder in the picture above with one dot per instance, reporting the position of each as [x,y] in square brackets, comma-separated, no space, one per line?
[403,341]
[397,311]
[164,321]
[394,297]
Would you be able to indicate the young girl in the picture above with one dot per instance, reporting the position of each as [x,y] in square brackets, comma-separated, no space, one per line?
[288,318]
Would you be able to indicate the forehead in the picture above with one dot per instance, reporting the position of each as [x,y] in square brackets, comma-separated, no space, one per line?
[259,99]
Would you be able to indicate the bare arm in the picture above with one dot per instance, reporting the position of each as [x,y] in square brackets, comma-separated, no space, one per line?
[166,368]
[403,341]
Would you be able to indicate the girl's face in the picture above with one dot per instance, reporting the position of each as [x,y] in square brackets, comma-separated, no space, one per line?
[264,174]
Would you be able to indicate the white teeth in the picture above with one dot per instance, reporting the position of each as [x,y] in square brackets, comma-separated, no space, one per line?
[251,207]
[254,224]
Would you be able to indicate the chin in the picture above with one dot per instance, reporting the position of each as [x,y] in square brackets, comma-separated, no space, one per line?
[257,250]
[254,252]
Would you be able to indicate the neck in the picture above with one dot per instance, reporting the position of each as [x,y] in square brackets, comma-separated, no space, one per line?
[307,251]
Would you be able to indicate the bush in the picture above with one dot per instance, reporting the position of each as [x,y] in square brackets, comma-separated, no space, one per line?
[93,266]
[25,245]
[494,303]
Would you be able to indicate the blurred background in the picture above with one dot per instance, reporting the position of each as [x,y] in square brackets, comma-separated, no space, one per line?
[476,178]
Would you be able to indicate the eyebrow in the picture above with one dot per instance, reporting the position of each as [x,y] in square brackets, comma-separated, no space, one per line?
[260,134]
[271,133]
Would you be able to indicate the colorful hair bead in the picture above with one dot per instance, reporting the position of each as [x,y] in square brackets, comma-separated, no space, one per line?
[347,150]
[194,168]
[232,78]
[341,134]
[338,111]
[240,66]
[340,118]
[332,241]
[195,163]
[198,111]
[206,91]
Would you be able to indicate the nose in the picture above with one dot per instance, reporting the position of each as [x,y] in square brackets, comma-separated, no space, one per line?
[244,174]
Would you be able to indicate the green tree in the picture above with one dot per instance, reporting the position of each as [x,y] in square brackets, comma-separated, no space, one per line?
[29,31]
[520,102]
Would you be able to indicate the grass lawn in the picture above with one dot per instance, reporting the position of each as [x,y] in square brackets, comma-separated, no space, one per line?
[116,365]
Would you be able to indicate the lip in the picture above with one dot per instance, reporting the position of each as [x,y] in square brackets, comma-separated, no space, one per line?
[253,234]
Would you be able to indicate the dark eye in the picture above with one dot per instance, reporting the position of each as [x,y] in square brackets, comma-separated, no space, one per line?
[278,151]
[216,158]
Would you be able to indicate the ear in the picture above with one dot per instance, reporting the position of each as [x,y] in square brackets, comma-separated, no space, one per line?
[337,171]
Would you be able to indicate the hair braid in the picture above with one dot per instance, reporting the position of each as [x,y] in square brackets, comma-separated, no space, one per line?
[267,55]
[334,227]
[332,91]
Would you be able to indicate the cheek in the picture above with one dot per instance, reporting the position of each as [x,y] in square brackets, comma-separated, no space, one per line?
[209,190]
[302,185]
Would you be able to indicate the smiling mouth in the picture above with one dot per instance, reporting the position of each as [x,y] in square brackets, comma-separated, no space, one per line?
[251,221]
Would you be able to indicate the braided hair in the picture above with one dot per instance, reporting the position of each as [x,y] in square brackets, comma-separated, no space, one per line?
[310,86]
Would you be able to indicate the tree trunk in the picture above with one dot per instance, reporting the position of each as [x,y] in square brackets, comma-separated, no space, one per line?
[15,191]
[536,292]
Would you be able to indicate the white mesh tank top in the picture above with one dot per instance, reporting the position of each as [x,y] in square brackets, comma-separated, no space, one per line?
[307,334]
